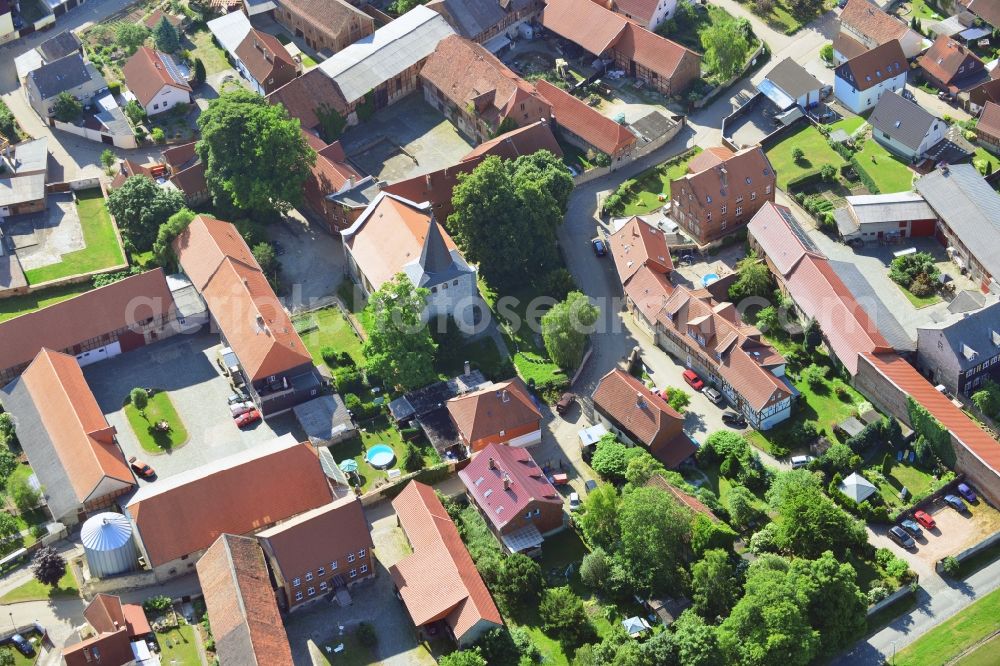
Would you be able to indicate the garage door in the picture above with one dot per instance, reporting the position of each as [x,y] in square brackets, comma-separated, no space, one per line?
[99,354]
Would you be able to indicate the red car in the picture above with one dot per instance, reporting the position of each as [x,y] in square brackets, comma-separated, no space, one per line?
[924,519]
[247,418]
[141,468]
[693,380]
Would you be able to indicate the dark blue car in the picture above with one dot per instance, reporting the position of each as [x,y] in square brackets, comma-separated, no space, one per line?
[966,492]
[956,503]
[600,248]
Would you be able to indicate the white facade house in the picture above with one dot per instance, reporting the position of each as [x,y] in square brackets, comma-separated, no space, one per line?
[904,127]
[395,235]
[155,81]
[860,82]
[649,13]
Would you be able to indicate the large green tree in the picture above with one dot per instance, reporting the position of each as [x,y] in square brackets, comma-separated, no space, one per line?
[565,329]
[564,616]
[506,213]
[400,349]
[714,588]
[130,36]
[163,250]
[837,606]
[696,643]
[140,206]
[725,47]
[810,522]
[165,36]
[753,279]
[611,458]
[519,584]
[599,520]
[256,157]
[654,528]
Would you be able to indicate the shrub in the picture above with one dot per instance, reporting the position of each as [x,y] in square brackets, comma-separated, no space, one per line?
[348,380]
[563,615]
[352,402]
[594,570]
[798,154]
[950,566]
[815,375]
[826,52]
[367,635]
[413,460]
[329,355]
[156,604]
[922,286]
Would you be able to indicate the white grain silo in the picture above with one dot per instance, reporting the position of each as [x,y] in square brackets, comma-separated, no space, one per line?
[108,545]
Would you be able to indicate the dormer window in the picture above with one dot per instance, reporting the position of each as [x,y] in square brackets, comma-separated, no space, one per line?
[708,198]
[748,180]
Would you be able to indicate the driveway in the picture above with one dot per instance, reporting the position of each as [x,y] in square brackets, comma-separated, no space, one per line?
[312,265]
[185,367]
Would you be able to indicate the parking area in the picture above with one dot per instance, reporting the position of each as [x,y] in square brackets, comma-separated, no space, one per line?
[409,138]
[185,367]
[40,239]
[312,261]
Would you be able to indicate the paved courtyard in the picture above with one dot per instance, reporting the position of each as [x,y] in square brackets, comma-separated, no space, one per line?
[185,367]
[42,238]
[409,138]
[312,265]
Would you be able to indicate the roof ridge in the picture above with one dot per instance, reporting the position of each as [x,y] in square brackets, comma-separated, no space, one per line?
[239,589]
[76,413]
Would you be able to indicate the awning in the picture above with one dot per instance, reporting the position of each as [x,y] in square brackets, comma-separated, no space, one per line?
[525,538]
[497,43]
[780,98]
[590,436]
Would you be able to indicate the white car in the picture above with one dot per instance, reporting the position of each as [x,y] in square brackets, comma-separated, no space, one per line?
[239,408]
[801,461]
[574,501]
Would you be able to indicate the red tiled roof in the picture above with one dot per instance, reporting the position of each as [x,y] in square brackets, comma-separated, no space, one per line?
[89,315]
[74,423]
[644,414]
[146,74]
[642,10]
[525,140]
[266,58]
[305,96]
[847,46]
[153,19]
[502,406]
[637,244]
[649,290]
[577,117]
[750,163]
[217,259]
[107,614]
[113,649]
[331,171]
[874,67]
[989,120]
[869,20]
[586,23]
[708,158]
[178,156]
[238,494]
[915,385]
[988,10]
[988,91]
[317,537]
[943,59]
[435,187]
[652,51]
[242,610]
[526,485]
[438,581]
[692,502]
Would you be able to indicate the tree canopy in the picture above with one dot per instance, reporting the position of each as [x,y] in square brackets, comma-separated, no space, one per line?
[165,36]
[48,566]
[400,349]
[67,108]
[565,329]
[754,279]
[714,587]
[256,157]
[809,521]
[599,519]
[140,206]
[725,46]
[163,250]
[654,528]
[506,213]
[130,36]
[611,458]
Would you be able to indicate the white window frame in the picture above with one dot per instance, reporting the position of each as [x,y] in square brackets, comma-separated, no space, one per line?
[296,582]
[298,595]
[333,566]
[309,575]
[354,573]
[364,568]
[350,558]
[311,591]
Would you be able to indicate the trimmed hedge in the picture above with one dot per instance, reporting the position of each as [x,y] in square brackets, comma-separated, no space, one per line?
[863,176]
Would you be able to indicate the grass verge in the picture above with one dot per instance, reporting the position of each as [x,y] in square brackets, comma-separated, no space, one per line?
[35,591]
[950,638]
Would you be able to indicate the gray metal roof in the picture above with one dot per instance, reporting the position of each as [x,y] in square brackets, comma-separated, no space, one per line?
[793,78]
[37,445]
[903,120]
[325,420]
[871,302]
[31,156]
[471,17]
[967,300]
[230,30]
[59,75]
[874,208]
[389,51]
[970,208]
[972,336]
[59,46]
[22,189]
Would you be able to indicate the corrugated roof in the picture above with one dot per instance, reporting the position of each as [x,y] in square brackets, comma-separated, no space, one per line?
[230,30]
[393,48]
[876,208]
[470,18]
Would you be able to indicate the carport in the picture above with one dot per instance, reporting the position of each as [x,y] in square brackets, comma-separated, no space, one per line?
[325,420]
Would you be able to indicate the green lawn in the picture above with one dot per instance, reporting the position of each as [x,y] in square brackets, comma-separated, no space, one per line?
[952,636]
[903,475]
[482,354]
[922,10]
[983,157]
[889,173]
[19,659]
[307,62]
[211,55]
[35,591]
[328,328]
[817,153]
[178,646]
[984,655]
[379,431]
[919,301]
[159,409]
[650,185]
[849,124]
[19,305]
[101,244]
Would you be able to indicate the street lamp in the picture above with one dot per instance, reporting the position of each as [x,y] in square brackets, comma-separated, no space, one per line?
[12,621]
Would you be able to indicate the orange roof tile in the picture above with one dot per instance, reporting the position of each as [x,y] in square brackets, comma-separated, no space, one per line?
[307,95]
[246,309]
[238,494]
[89,315]
[637,244]
[874,67]
[750,163]
[75,424]
[502,406]
[692,502]
[867,19]
[577,117]
[652,51]
[525,140]
[114,648]
[105,613]
[946,56]
[436,187]
[242,610]
[708,158]
[649,290]
[586,23]
[266,59]
[438,581]
[989,120]
[146,73]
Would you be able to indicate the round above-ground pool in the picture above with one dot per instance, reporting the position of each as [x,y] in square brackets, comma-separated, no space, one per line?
[380,456]
[709,279]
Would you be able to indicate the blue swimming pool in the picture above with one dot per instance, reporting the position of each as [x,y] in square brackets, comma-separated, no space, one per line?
[709,279]
[380,456]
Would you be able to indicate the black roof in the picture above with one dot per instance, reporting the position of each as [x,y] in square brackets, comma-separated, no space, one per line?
[60,46]
[60,75]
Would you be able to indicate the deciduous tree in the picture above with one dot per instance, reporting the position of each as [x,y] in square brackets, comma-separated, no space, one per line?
[163,250]
[654,527]
[23,494]
[599,520]
[130,36]
[836,607]
[725,47]
[48,566]
[564,616]
[714,588]
[67,108]
[565,329]
[399,348]
[165,36]
[140,206]
[520,583]
[754,279]
[256,157]
[696,643]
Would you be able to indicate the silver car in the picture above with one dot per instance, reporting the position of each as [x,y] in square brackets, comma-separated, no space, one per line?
[713,395]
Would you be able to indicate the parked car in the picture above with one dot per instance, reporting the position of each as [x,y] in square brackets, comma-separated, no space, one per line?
[734,419]
[693,380]
[965,491]
[574,501]
[907,94]
[23,645]
[713,395]
[897,534]
[801,461]
[911,526]
[590,486]
[600,248]
[141,468]
[924,519]
[956,503]
[247,418]
[240,408]
[236,397]
[565,402]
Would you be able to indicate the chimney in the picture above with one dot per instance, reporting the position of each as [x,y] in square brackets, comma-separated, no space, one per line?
[467,368]
[506,482]
[504,396]
[724,176]
[639,402]
[493,463]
